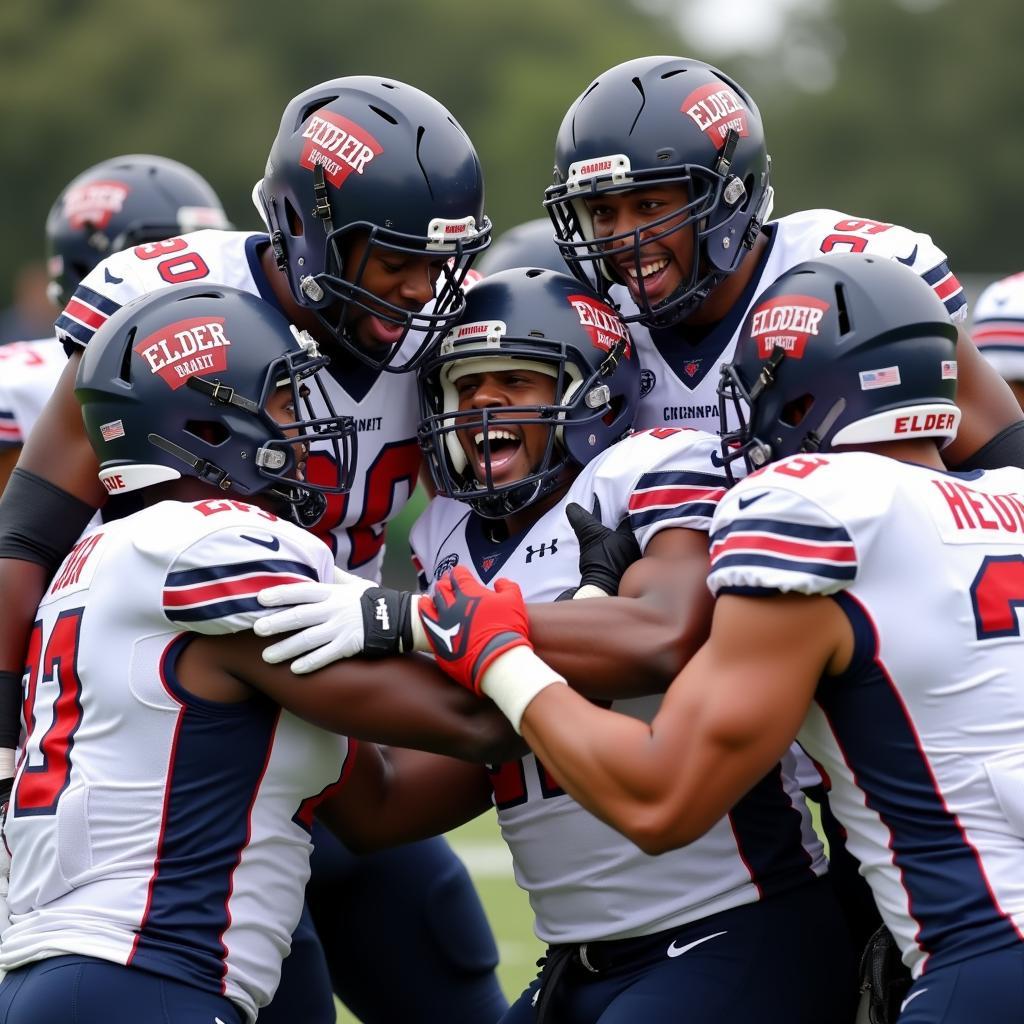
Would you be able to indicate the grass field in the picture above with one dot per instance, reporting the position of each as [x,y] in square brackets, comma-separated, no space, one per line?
[485,854]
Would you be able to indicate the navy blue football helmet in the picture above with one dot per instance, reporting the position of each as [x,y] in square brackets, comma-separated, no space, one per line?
[369,157]
[536,320]
[123,202]
[530,244]
[845,349]
[659,121]
[176,384]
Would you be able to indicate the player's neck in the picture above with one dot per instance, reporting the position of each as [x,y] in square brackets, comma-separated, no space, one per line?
[721,301]
[519,522]
[921,452]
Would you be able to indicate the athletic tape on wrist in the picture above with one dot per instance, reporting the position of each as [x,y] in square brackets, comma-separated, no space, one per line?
[514,678]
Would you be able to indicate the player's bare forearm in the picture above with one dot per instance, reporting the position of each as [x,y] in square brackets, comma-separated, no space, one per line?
[985,400]
[414,795]
[402,701]
[27,582]
[57,448]
[725,721]
[637,643]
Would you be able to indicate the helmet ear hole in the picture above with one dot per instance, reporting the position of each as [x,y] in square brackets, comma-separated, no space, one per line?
[211,432]
[295,228]
[793,412]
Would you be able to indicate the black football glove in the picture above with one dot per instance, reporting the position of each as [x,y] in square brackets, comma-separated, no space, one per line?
[605,554]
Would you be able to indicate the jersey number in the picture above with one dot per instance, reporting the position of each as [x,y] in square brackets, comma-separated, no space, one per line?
[853,242]
[177,268]
[996,593]
[40,785]
[396,463]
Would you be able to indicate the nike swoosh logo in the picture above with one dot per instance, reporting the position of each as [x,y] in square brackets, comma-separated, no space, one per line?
[110,279]
[911,998]
[674,950]
[747,502]
[716,459]
[909,260]
[444,635]
[270,543]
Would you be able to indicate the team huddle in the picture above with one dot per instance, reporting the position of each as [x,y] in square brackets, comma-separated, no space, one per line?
[724,518]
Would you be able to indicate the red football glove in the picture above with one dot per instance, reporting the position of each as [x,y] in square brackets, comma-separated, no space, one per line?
[468,626]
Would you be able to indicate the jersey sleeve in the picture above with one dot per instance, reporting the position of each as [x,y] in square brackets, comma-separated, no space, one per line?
[916,250]
[111,284]
[679,485]
[29,371]
[211,586]
[767,538]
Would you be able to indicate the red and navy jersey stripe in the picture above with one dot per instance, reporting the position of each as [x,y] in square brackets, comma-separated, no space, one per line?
[10,432]
[674,495]
[949,896]
[86,312]
[795,547]
[218,759]
[947,287]
[220,591]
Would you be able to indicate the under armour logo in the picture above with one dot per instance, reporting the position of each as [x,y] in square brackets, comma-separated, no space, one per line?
[542,550]
[446,636]
[381,614]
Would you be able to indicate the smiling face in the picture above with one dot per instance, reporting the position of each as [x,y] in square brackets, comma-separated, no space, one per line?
[399,278]
[666,262]
[515,449]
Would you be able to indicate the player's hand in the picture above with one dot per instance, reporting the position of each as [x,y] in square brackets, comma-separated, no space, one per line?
[468,625]
[605,554]
[329,617]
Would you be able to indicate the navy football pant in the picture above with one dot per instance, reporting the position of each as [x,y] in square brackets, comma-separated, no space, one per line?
[84,990]
[784,960]
[987,989]
[400,936]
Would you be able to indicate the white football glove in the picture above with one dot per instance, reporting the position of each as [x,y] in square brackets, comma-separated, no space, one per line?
[337,620]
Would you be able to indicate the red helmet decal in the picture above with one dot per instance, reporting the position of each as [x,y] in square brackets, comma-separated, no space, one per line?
[186,348]
[601,322]
[714,109]
[786,321]
[94,203]
[338,145]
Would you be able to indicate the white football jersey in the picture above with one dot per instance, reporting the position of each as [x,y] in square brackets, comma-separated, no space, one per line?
[998,328]
[148,826]
[29,371]
[384,405]
[679,379]
[923,736]
[586,881]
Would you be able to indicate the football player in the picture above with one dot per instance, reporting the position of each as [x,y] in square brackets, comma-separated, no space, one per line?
[998,330]
[160,819]
[118,203]
[373,201]
[902,683]
[661,198]
[524,406]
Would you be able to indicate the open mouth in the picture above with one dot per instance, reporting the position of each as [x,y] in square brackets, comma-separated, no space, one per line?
[654,270]
[502,445]
[384,332]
